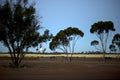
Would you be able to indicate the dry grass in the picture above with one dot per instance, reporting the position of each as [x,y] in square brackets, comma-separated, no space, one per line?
[64,55]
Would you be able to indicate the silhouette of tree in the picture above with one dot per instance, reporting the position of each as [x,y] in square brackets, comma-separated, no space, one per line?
[112,48]
[18,28]
[102,30]
[59,41]
[65,40]
[95,43]
[116,40]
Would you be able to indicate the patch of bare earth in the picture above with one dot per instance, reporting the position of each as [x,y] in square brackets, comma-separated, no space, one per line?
[62,70]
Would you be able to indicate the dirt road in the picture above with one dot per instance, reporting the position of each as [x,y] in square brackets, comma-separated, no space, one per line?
[56,70]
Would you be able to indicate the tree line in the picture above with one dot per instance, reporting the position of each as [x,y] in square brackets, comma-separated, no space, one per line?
[19,27]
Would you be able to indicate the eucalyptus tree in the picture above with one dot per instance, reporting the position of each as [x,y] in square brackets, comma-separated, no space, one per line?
[95,43]
[102,30]
[18,28]
[59,41]
[112,48]
[116,40]
[66,39]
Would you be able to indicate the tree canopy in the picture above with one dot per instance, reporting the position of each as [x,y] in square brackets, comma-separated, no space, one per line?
[112,48]
[102,27]
[95,43]
[66,39]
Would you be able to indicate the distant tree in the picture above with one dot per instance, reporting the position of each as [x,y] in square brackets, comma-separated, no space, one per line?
[18,28]
[59,42]
[65,40]
[116,40]
[95,43]
[102,30]
[47,36]
[112,48]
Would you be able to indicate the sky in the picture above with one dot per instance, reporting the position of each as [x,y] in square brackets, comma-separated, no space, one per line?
[61,14]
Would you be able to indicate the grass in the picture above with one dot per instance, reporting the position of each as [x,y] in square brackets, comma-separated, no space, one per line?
[64,55]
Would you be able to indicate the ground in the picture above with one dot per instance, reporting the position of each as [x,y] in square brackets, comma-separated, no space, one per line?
[58,69]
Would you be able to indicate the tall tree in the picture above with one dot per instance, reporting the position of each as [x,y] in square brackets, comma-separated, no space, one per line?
[59,41]
[116,40]
[102,30]
[65,40]
[18,28]
[73,34]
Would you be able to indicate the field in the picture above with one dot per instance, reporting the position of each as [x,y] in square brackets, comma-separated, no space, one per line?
[58,68]
[64,55]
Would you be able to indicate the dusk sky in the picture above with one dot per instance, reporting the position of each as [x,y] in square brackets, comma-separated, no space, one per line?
[60,14]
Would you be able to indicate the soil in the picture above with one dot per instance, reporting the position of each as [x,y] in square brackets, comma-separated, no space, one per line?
[54,69]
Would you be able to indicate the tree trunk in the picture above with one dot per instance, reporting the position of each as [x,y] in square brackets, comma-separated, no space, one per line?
[71,57]
[16,59]
[103,55]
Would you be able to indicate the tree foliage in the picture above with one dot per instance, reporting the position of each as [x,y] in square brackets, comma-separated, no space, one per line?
[65,40]
[46,36]
[102,30]
[18,27]
[102,27]
[112,48]
[95,43]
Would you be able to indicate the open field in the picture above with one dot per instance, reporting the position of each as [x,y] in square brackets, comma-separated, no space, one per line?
[58,68]
[65,55]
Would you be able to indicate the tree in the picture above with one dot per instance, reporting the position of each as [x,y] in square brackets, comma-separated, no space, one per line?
[102,30]
[59,41]
[47,36]
[112,48]
[95,43]
[65,40]
[116,40]
[18,28]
